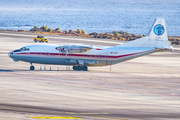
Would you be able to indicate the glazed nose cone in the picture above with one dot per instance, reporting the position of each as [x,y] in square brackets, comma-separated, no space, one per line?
[10,54]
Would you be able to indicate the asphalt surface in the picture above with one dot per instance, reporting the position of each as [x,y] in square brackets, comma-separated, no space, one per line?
[145,88]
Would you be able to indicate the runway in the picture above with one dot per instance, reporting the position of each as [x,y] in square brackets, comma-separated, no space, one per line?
[145,88]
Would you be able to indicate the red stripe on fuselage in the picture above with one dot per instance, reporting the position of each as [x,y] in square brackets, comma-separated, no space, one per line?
[82,55]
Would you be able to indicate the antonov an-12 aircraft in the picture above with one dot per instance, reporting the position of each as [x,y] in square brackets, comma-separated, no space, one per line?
[81,56]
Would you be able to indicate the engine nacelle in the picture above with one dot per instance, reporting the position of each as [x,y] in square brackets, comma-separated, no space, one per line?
[77,49]
[73,49]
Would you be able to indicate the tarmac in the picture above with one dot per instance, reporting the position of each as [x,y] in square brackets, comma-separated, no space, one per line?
[145,88]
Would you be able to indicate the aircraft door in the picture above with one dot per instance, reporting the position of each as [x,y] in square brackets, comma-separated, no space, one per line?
[67,60]
[106,56]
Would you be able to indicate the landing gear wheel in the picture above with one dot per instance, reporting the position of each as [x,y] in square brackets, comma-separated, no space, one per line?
[74,67]
[32,68]
[84,68]
[78,68]
[35,40]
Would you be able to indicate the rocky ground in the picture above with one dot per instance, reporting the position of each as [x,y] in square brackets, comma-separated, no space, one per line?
[116,35]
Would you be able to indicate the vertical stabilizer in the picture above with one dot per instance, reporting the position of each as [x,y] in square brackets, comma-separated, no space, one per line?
[158,30]
[156,38]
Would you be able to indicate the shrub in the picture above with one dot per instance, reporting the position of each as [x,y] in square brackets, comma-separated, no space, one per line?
[58,29]
[133,35]
[71,31]
[131,38]
[121,32]
[83,31]
[105,36]
[128,34]
[49,30]
[119,38]
[116,34]
[93,33]
[111,34]
[44,28]
[78,31]
[35,26]
[21,30]
[103,33]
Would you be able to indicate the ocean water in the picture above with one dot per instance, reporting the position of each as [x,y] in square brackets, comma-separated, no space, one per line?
[133,16]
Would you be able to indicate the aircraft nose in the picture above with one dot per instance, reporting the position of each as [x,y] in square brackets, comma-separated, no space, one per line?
[10,54]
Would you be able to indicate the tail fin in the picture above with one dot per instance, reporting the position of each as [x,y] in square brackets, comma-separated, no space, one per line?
[158,30]
[156,38]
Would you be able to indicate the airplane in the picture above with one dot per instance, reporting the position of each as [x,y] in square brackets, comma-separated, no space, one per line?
[82,56]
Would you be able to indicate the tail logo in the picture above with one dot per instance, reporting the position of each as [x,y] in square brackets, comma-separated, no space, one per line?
[158,29]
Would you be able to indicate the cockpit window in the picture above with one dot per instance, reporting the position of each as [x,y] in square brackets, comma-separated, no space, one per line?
[22,49]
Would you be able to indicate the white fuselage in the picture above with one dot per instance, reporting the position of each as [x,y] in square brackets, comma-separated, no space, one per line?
[48,54]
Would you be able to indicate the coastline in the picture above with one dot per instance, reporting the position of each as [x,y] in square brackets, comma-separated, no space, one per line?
[175,40]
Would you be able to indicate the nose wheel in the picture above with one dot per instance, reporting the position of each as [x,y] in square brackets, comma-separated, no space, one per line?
[79,68]
[32,67]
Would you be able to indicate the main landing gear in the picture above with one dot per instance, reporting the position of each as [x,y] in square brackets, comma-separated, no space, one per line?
[32,67]
[79,68]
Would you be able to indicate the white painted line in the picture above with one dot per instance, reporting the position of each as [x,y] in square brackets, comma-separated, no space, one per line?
[176,48]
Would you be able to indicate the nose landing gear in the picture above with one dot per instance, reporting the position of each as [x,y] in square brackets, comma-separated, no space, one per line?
[79,68]
[32,67]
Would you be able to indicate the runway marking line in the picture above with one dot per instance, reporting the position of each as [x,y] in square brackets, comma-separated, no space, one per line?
[110,118]
[54,117]
[147,86]
[88,113]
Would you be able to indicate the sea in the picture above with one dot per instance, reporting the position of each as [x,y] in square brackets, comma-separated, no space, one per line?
[133,16]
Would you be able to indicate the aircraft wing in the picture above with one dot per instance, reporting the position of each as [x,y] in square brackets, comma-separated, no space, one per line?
[76,48]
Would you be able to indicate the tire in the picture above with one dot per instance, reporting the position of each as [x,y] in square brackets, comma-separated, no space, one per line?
[84,68]
[78,68]
[35,40]
[32,68]
[74,67]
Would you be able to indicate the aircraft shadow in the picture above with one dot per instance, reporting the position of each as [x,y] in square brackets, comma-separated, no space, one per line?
[6,70]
